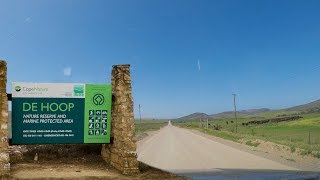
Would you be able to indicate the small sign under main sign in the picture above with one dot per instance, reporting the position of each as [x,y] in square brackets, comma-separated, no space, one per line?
[60,113]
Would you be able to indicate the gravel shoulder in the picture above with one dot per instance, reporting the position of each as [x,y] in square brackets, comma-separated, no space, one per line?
[76,170]
[71,162]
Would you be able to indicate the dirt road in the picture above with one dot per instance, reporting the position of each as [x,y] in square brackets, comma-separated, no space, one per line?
[179,150]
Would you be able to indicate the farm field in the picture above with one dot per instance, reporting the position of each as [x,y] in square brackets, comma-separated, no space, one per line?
[146,125]
[301,135]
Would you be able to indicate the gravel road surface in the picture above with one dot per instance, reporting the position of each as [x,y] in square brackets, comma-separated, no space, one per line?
[179,150]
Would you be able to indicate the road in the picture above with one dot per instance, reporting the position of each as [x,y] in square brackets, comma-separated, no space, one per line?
[179,150]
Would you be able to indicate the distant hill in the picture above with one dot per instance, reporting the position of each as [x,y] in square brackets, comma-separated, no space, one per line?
[193,116]
[307,108]
[197,116]
[244,112]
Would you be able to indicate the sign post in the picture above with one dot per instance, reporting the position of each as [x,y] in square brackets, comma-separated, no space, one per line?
[61,113]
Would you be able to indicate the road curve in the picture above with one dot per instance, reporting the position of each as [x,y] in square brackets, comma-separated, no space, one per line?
[179,150]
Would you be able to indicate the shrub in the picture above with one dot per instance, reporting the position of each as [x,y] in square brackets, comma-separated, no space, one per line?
[217,127]
[305,152]
[292,160]
[254,144]
[316,154]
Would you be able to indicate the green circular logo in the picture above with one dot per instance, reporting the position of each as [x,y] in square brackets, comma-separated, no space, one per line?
[17,88]
[98,99]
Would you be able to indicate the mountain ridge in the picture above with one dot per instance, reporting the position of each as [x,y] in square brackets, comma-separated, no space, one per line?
[313,106]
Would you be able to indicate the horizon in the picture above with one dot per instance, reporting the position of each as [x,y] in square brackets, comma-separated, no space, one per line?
[185,57]
[210,114]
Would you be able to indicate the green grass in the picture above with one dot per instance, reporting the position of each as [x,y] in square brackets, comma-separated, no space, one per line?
[149,125]
[305,152]
[221,134]
[143,126]
[303,133]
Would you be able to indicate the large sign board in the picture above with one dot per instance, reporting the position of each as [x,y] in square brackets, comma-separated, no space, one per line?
[60,113]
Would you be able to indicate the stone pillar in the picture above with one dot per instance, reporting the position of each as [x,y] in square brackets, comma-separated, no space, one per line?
[4,146]
[122,152]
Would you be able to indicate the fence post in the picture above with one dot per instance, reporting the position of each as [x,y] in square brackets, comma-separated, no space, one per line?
[4,146]
[309,139]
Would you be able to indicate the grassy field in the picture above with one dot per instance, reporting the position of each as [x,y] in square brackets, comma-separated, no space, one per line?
[303,133]
[145,125]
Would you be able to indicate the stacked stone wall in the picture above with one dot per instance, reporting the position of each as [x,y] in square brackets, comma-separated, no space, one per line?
[121,153]
[4,146]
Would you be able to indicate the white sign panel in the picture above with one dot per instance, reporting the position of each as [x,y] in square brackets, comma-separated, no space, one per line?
[48,90]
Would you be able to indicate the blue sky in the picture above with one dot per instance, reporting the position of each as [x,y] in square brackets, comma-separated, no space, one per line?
[266,51]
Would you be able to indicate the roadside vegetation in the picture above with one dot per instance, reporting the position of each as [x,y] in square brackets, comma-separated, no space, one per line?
[146,125]
[301,135]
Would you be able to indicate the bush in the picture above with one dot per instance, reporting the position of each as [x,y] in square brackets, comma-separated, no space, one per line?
[305,152]
[292,160]
[254,144]
[217,127]
[316,154]
[292,149]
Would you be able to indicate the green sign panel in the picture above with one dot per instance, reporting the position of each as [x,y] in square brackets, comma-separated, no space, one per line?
[44,113]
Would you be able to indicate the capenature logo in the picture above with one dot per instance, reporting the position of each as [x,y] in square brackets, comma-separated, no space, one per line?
[18,88]
[78,90]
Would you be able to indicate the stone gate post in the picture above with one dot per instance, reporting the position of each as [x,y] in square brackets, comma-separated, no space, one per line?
[122,152]
[4,146]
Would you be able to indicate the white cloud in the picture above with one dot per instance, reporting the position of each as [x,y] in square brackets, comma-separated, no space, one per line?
[67,71]
[28,19]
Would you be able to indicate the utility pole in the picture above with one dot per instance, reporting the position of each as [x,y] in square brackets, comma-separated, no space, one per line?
[140,113]
[235,111]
